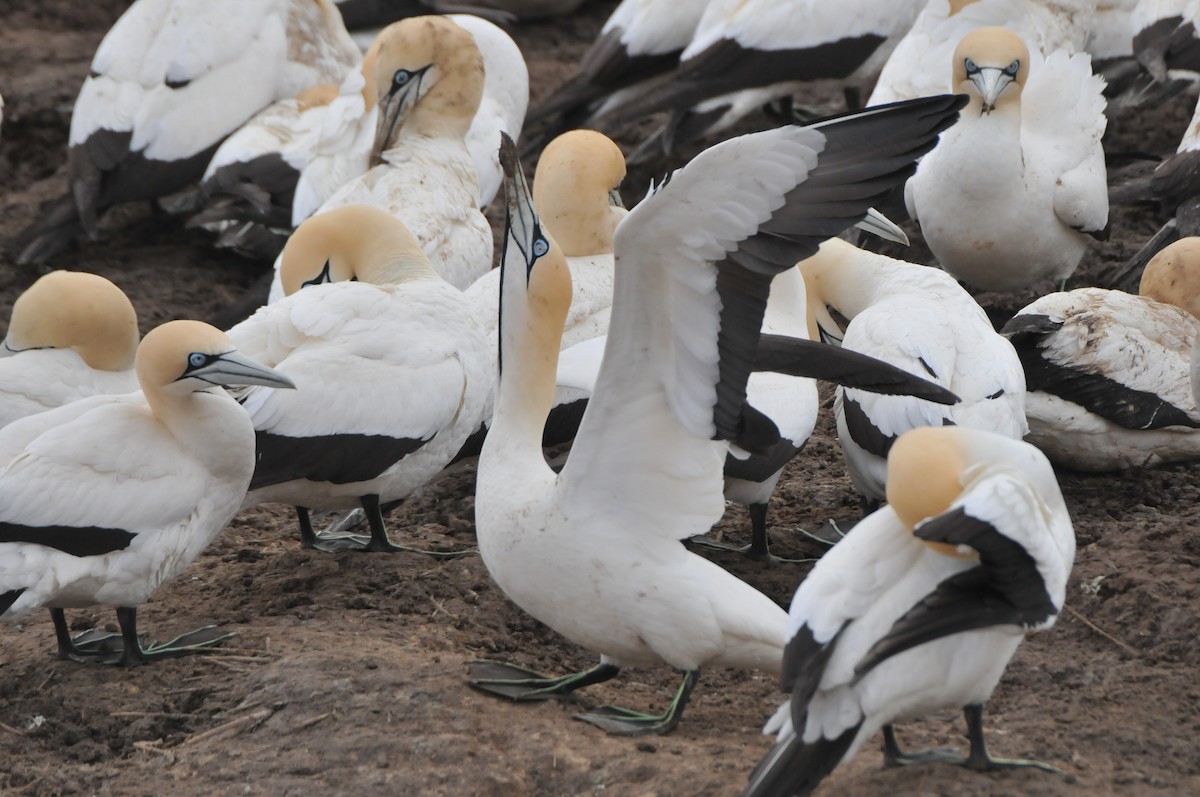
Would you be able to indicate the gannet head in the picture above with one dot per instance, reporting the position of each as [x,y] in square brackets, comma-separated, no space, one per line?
[182,357]
[991,65]
[535,283]
[574,189]
[925,474]
[84,312]
[821,284]
[422,57]
[355,242]
[1173,276]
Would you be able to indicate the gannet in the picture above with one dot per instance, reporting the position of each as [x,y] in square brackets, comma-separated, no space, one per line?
[921,606]
[108,497]
[1110,373]
[169,81]
[1165,40]
[919,319]
[429,79]
[917,67]
[746,53]
[639,41]
[594,552]
[393,366]
[71,335]
[1011,193]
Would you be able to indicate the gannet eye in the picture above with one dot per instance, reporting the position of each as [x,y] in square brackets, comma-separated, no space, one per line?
[196,359]
[540,247]
[1012,69]
[401,78]
[971,67]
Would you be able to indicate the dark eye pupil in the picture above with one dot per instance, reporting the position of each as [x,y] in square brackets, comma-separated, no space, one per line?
[197,360]
[540,247]
[1013,67]
[971,66]
[401,77]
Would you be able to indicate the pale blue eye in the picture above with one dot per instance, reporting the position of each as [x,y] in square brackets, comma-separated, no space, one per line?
[540,247]
[401,77]
[197,359]
[1013,68]
[970,65]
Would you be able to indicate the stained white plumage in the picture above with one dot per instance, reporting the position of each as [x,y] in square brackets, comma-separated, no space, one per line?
[108,497]
[429,79]
[1111,374]
[1009,195]
[921,605]
[917,67]
[921,320]
[394,368]
[71,335]
[168,82]
[593,551]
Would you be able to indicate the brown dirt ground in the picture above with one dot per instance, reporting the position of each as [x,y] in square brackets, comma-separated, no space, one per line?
[347,672]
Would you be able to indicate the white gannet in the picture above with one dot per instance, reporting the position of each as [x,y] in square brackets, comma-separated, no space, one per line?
[345,154]
[594,552]
[106,498]
[746,53]
[917,67]
[1012,192]
[393,368]
[429,81]
[919,319]
[71,335]
[169,81]
[639,41]
[1110,373]
[921,606]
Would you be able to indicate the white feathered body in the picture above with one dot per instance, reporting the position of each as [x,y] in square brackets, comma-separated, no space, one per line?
[106,462]
[226,60]
[37,380]
[1002,199]
[1139,344]
[429,184]
[919,65]
[406,361]
[919,319]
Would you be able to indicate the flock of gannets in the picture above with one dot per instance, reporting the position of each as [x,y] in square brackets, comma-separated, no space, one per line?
[693,317]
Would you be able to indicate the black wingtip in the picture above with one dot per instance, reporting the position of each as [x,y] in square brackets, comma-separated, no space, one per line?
[794,769]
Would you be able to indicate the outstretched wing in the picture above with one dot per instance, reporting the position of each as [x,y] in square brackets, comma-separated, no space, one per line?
[694,263]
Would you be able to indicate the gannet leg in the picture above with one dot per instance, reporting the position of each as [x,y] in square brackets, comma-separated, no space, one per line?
[88,645]
[518,684]
[335,539]
[759,548]
[893,756]
[624,722]
[125,649]
[979,759]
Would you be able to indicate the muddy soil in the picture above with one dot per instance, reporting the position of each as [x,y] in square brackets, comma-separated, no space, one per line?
[346,674]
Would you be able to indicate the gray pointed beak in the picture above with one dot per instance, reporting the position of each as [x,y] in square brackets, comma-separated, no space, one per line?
[233,369]
[392,109]
[991,82]
[521,228]
[614,198]
[878,224]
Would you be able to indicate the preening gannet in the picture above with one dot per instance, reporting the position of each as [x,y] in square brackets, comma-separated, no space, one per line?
[106,498]
[594,552]
[1012,192]
[919,319]
[169,81]
[746,53]
[917,67]
[429,80]
[393,368]
[71,335]
[921,606]
[1111,374]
